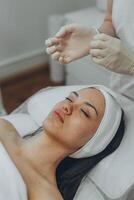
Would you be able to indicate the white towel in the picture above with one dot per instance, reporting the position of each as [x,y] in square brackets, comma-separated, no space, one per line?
[107,128]
[12,186]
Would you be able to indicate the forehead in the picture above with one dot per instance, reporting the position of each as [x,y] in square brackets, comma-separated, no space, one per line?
[91,93]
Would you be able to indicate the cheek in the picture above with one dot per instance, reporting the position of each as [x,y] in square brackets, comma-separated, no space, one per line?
[78,132]
[77,126]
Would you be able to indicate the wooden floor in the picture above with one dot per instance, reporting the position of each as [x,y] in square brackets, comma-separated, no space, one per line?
[17,89]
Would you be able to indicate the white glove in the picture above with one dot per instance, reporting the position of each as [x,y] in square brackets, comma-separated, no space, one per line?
[111,54]
[70,43]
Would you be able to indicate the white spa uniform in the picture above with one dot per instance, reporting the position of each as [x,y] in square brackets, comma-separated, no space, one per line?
[123,21]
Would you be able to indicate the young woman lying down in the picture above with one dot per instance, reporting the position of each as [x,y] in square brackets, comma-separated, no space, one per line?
[79,131]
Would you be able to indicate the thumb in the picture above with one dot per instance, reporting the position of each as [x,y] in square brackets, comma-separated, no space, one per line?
[62,32]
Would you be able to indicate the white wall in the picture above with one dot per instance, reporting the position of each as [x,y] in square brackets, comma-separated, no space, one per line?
[85,3]
[23,29]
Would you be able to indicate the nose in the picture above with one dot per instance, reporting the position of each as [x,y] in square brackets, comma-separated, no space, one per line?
[67,108]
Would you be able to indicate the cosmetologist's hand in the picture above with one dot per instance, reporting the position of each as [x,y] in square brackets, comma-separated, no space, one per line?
[110,53]
[70,43]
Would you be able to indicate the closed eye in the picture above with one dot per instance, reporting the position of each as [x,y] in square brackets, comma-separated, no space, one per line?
[68,99]
[85,113]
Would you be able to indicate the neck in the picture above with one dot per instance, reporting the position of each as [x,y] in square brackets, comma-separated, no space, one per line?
[44,154]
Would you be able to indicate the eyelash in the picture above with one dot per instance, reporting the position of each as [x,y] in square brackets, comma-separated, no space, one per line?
[68,99]
[85,113]
[80,109]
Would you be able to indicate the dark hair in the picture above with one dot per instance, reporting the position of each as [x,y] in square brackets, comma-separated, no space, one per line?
[71,171]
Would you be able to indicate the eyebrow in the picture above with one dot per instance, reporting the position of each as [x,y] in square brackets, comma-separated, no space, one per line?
[86,102]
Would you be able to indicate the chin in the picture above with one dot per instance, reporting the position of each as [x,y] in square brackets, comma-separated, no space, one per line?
[51,126]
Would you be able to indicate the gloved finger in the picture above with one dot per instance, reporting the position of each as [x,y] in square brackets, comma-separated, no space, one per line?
[62,32]
[61,60]
[64,60]
[53,49]
[102,37]
[56,56]
[98,61]
[52,41]
[97,53]
[97,44]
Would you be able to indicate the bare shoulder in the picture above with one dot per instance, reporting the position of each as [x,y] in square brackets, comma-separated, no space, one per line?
[8,135]
[6,125]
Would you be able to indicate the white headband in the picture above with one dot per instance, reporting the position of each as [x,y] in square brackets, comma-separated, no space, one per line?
[107,128]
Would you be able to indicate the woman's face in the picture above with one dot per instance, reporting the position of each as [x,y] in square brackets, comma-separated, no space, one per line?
[74,121]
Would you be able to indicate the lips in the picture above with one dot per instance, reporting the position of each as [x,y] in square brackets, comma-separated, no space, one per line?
[58,113]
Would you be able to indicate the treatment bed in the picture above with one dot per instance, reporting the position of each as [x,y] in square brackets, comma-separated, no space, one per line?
[111,179]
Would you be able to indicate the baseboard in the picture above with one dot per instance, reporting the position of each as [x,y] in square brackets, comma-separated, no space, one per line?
[22,63]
